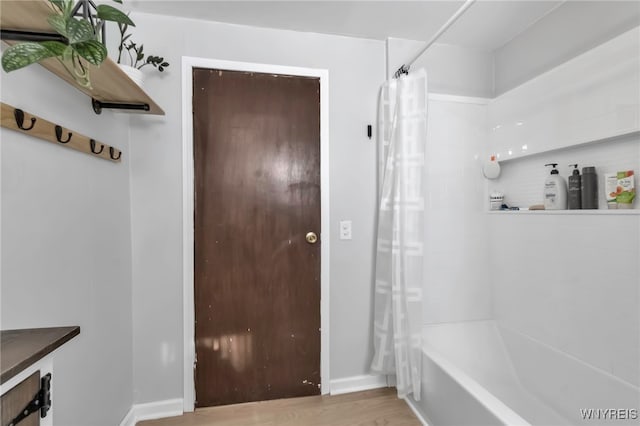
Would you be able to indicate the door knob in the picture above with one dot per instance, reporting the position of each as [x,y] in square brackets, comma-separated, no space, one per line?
[311,237]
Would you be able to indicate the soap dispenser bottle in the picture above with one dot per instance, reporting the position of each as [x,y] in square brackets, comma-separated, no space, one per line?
[589,187]
[555,190]
[575,190]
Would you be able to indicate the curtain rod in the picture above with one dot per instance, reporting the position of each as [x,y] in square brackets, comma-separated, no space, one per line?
[404,69]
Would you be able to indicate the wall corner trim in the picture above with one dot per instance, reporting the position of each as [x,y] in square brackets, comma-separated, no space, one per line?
[358,383]
[152,410]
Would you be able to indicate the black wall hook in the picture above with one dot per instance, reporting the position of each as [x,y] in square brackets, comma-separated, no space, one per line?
[19,116]
[92,143]
[112,151]
[59,135]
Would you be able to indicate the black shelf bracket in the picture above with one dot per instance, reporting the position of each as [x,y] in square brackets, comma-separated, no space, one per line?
[86,9]
[98,106]
[19,35]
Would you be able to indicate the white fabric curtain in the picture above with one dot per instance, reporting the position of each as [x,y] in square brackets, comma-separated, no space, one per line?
[402,134]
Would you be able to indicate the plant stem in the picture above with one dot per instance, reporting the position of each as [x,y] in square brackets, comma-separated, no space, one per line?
[130,57]
[120,26]
[84,82]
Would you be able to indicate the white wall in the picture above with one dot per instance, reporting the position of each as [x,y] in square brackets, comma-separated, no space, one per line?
[356,70]
[571,29]
[452,70]
[456,268]
[66,247]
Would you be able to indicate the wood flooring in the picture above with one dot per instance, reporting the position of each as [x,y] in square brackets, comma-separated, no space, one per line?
[370,408]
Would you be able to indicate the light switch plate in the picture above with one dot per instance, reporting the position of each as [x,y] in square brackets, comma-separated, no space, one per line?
[345,229]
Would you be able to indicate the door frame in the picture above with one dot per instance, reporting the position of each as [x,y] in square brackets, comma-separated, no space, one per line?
[188,206]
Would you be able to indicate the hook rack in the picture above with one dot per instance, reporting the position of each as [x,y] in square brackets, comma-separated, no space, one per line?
[14,118]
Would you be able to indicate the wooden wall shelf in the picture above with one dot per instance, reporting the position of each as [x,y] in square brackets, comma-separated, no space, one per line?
[110,83]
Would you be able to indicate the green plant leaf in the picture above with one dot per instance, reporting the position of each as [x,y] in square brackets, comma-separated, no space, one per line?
[110,13]
[58,23]
[68,8]
[59,4]
[64,6]
[118,1]
[79,30]
[23,54]
[93,51]
[55,47]
[67,54]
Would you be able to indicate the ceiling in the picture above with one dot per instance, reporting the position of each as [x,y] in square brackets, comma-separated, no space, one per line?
[487,25]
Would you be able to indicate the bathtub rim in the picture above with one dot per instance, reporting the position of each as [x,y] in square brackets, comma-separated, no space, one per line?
[494,405]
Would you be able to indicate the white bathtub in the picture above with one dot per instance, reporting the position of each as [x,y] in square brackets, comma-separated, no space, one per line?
[477,373]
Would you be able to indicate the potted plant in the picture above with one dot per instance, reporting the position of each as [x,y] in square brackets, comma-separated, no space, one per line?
[83,40]
[131,57]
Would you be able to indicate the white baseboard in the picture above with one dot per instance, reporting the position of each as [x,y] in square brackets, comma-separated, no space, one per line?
[357,383]
[416,410]
[152,410]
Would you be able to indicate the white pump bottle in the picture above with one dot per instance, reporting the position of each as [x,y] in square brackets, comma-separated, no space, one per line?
[555,190]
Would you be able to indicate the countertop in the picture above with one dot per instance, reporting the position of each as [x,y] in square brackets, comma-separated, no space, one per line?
[21,348]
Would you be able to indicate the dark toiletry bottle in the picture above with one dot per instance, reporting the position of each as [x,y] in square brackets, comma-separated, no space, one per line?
[589,186]
[575,190]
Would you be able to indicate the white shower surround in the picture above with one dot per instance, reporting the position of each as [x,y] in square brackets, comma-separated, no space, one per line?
[492,312]
[591,97]
[480,373]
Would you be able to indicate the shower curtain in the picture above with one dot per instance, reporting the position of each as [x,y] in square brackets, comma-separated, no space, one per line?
[402,125]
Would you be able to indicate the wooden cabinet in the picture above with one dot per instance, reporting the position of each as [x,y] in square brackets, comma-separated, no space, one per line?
[26,359]
[12,402]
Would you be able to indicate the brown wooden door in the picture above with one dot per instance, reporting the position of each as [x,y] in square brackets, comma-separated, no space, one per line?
[257,280]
